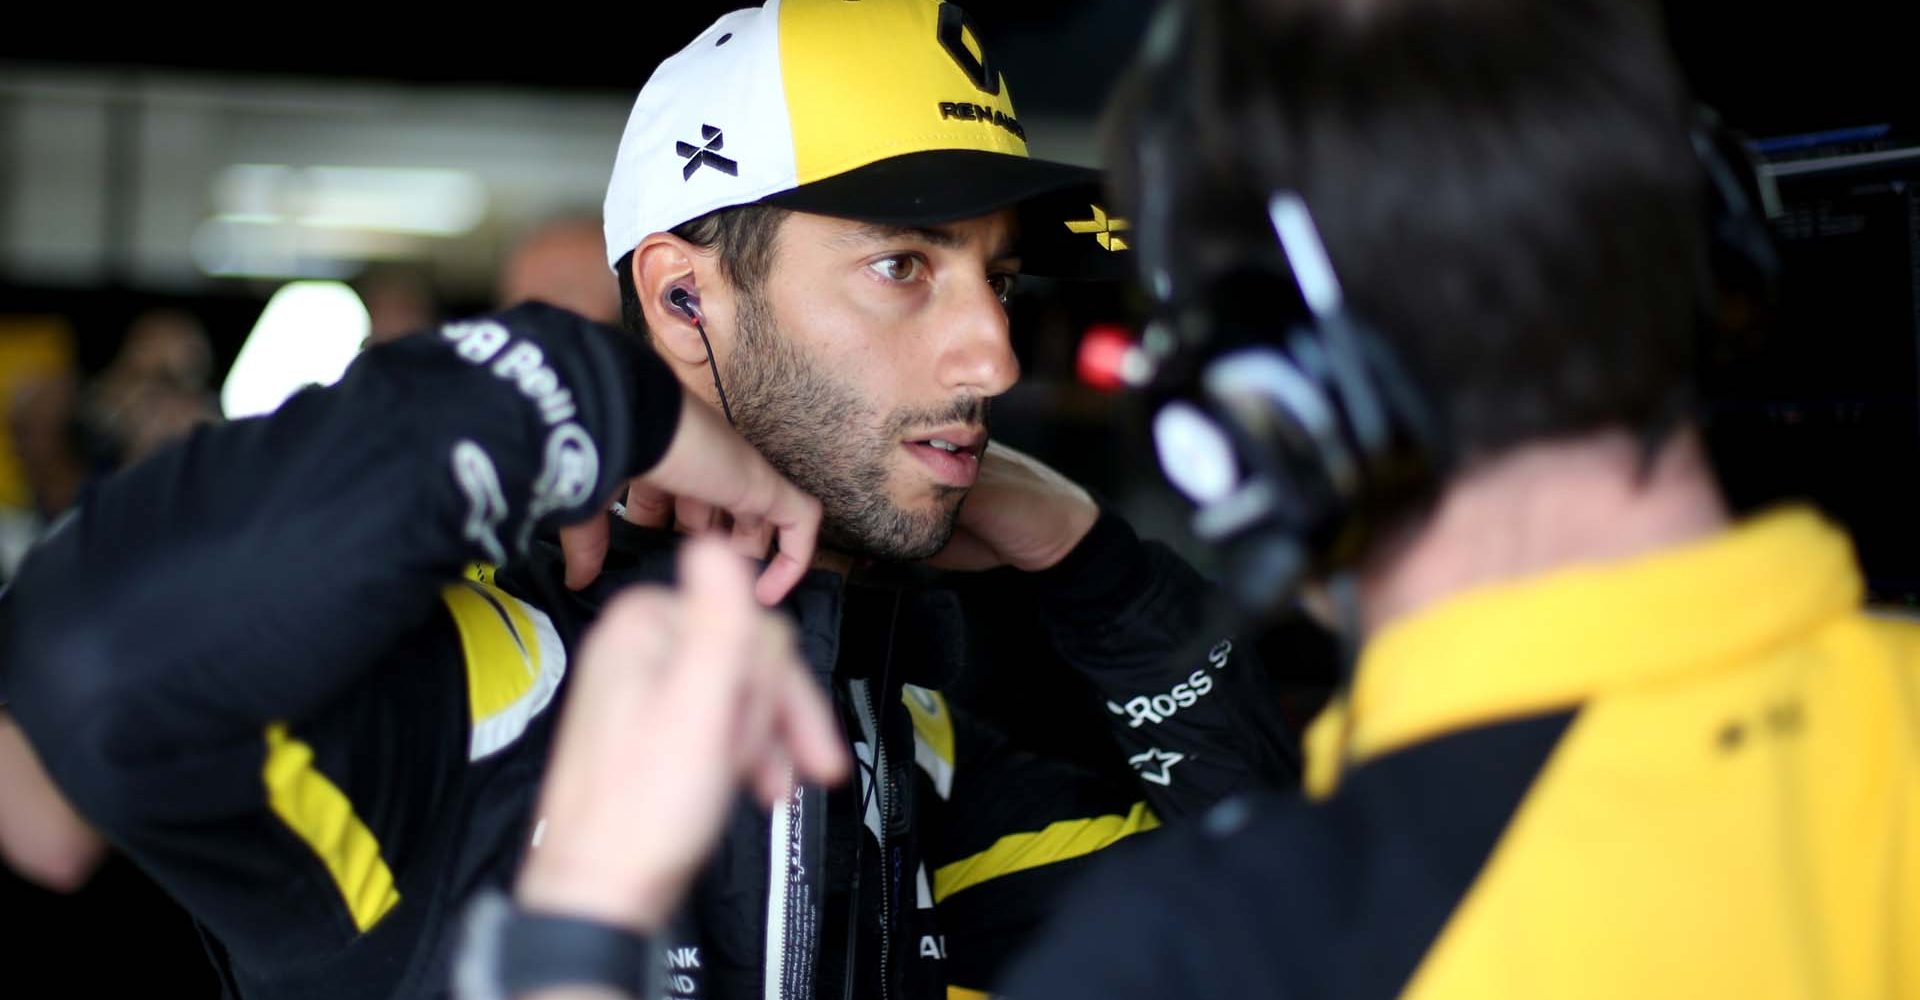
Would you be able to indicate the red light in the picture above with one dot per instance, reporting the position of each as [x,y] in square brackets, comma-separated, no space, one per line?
[1104,350]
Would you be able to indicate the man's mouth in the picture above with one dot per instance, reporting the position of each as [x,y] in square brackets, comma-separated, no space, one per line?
[951,454]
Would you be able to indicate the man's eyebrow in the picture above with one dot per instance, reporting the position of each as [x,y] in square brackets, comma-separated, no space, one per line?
[868,233]
[880,232]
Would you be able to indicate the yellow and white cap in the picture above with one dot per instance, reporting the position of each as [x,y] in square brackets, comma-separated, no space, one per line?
[887,111]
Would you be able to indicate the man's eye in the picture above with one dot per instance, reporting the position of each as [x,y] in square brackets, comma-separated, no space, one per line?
[899,267]
[1003,285]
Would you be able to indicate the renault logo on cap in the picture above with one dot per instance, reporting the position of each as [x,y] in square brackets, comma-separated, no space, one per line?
[706,155]
[1103,227]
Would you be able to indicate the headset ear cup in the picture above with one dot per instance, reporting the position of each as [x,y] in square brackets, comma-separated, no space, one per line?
[1294,418]
[1286,435]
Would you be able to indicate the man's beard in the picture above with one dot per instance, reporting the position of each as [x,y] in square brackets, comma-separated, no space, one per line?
[818,432]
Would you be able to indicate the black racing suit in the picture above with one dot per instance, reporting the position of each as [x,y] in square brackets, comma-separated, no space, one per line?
[275,665]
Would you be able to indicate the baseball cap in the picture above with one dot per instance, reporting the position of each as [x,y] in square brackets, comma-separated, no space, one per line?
[884,111]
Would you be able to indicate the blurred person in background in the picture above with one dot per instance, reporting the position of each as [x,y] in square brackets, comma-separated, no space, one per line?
[399,301]
[43,419]
[62,882]
[157,388]
[562,262]
[154,391]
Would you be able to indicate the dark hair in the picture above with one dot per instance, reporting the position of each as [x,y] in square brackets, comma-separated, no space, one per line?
[742,236]
[1505,187]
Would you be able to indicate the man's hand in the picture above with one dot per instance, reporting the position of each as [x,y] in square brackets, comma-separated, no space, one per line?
[41,837]
[679,699]
[710,469]
[1020,514]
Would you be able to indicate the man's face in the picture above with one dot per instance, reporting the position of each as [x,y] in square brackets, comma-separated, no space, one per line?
[866,346]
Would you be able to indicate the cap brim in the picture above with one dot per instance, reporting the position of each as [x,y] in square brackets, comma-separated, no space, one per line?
[1065,230]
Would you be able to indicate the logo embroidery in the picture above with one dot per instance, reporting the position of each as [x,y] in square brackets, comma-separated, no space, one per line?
[968,111]
[1155,763]
[1104,228]
[706,155]
[954,32]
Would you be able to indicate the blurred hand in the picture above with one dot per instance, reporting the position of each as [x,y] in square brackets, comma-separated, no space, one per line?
[41,837]
[707,471]
[678,700]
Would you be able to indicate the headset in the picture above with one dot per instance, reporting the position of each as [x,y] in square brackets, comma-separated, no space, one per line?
[688,304]
[1279,412]
[1283,416]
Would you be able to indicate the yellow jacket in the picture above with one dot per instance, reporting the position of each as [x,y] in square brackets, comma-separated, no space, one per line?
[1691,775]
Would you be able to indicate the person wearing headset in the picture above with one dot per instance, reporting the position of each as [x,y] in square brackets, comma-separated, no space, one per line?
[302,668]
[1603,737]
[1430,274]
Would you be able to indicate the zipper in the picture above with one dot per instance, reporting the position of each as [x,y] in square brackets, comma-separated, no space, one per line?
[870,722]
[780,875]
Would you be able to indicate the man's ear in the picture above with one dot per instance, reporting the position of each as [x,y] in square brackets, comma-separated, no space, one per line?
[662,263]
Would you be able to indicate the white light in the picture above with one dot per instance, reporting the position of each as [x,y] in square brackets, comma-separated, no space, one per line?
[239,246]
[307,335]
[417,201]
[1194,452]
[391,200]
[256,190]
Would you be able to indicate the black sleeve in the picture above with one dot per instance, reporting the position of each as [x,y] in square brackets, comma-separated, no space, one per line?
[1193,709]
[251,572]
[252,662]
[1116,938]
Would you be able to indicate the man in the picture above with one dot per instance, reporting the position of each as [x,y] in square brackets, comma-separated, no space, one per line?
[1604,738]
[264,688]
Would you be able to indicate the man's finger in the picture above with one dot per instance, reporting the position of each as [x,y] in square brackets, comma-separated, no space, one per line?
[693,517]
[751,537]
[773,778]
[757,731]
[583,548]
[625,657]
[648,506]
[795,518]
[717,626]
[773,656]
[808,733]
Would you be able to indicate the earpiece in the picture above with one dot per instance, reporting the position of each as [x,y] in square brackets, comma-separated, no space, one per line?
[684,302]
[688,304]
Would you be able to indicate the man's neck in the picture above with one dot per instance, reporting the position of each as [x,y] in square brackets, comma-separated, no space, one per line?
[1542,507]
